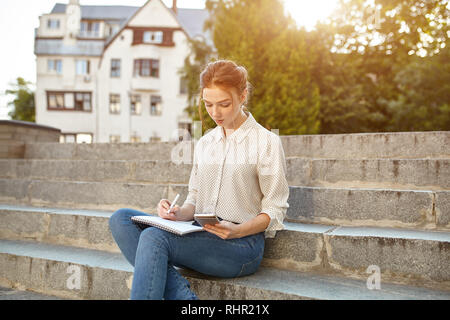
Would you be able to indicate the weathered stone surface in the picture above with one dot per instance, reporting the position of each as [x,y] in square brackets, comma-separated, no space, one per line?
[349,206]
[48,269]
[442,207]
[369,145]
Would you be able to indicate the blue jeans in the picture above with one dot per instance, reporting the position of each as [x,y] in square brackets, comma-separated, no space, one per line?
[155,253]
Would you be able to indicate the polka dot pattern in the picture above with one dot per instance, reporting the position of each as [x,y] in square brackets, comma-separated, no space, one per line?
[240,175]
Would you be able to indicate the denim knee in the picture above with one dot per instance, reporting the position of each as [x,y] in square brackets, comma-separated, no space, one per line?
[154,236]
[116,217]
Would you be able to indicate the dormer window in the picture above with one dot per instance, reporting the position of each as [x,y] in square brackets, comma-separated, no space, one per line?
[53,24]
[156,36]
[89,29]
[152,37]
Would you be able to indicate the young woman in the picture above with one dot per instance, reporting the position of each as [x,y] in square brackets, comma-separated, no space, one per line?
[239,173]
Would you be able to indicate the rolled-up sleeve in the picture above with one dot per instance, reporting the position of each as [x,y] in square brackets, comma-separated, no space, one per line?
[274,186]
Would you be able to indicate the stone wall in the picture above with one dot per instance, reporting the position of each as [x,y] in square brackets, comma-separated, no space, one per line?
[14,134]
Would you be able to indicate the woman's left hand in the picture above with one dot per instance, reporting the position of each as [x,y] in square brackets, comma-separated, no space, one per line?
[224,229]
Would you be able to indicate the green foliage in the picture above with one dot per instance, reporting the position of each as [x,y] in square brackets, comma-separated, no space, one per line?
[23,102]
[200,55]
[375,66]
[423,99]
[258,35]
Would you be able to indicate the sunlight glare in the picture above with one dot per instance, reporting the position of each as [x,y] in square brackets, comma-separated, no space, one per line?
[307,13]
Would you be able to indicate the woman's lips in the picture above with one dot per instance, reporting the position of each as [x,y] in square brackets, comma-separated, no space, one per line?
[219,121]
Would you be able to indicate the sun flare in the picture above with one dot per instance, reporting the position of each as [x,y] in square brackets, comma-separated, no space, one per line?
[307,13]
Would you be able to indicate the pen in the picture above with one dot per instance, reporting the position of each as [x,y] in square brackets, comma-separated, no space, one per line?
[173,203]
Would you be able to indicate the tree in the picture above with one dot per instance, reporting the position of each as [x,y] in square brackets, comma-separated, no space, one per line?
[366,45]
[24,108]
[423,100]
[258,35]
[394,27]
[200,54]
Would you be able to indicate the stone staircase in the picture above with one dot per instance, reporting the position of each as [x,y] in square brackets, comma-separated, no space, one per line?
[359,203]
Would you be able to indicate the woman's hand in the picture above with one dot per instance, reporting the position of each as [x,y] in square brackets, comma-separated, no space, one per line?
[163,206]
[224,229]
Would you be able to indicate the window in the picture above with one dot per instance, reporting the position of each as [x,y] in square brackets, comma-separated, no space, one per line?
[53,24]
[155,105]
[115,68]
[82,67]
[69,138]
[146,68]
[114,138]
[152,37]
[135,104]
[114,103]
[155,137]
[82,101]
[112,29]
[76,137]
[183,85]
[54,66]
[89,29]
[55,100]
[74,101]
[135,138]
[158,36]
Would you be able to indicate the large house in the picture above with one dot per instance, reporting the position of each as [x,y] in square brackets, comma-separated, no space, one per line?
[111,73]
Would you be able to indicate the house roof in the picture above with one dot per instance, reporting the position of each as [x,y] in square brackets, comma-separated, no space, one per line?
[192,20]
[100,12]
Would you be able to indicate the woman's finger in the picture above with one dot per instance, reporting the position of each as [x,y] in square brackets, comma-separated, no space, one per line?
[214,230]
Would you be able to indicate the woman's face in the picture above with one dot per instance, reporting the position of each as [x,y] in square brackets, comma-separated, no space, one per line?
[224,107]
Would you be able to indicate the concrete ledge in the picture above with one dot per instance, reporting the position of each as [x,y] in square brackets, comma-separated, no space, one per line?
[405,256]
[368,207]
[397,145]
[432,174]
[433,144]
[12,294]
[101,151]
[87,195]
[44,268]
[20,132]
[335,206]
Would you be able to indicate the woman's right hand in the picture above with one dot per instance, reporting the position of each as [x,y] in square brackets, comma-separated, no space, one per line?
[162,208]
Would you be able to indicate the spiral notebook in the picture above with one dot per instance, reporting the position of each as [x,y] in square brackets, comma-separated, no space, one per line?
[177,227]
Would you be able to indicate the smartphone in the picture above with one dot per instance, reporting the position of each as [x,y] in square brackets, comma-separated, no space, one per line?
[206,218]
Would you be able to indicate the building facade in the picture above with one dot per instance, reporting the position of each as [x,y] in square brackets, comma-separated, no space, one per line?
[111,73]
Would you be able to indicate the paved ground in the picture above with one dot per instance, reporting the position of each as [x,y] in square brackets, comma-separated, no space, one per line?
[13,294]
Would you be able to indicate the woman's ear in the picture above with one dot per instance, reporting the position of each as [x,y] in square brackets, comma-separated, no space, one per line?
[244,95]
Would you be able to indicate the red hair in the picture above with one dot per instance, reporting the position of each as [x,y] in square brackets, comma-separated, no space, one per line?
[224,74]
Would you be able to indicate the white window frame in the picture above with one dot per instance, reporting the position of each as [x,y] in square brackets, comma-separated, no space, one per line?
[153,37]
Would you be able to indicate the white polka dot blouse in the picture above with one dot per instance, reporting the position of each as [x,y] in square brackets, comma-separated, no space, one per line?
[240,175]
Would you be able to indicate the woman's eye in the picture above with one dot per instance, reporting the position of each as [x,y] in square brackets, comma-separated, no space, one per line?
[225,105]
[208,105]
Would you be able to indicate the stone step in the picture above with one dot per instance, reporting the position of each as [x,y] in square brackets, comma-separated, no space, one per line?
[55,270]
[15,294]
[432,144]
[420,209]
[432,174]
[405,256]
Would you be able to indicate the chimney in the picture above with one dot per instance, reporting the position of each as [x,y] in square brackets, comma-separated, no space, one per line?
[174,6]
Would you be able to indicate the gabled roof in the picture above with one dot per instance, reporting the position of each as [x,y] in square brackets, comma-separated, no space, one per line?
[100,12]
[192,20]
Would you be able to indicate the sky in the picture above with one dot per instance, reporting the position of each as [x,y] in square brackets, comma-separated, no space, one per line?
[19,18]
